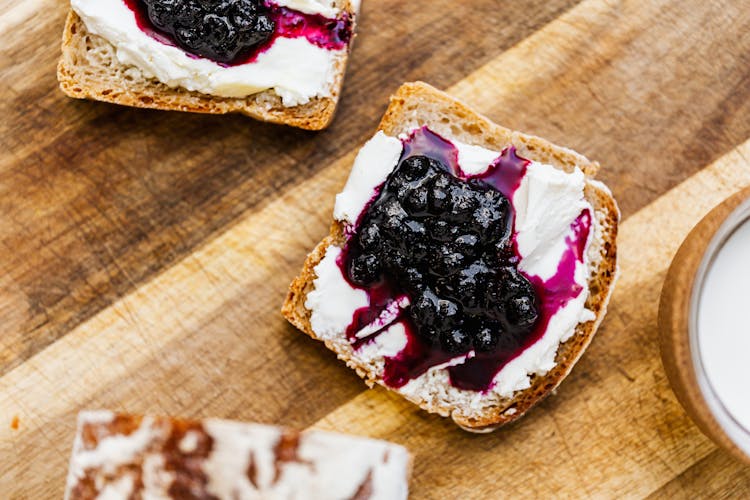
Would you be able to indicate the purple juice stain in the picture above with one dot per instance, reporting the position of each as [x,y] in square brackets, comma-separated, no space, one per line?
[419,355]
[506,173]
[326,33]
[425,142]
[380,297]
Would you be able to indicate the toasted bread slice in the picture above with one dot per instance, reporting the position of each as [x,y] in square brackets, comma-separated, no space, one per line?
[89,69]
[418,104]
[130,456]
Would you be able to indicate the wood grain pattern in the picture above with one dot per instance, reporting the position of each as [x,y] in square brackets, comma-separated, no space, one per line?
[144,255]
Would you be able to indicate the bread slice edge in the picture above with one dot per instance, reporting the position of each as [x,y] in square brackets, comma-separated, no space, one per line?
[89,69]
[417,104]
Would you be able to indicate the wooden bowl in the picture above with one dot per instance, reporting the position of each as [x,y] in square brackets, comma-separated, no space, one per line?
[678,332]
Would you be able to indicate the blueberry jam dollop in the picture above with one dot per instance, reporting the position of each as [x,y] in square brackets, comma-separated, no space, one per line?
[436,252]
[446,243]
[220,30]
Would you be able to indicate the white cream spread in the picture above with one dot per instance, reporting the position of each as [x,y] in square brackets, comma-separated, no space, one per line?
[243,463]
[331,317]
[377,158]
[547,203]
[387,344]
[474,160]
[294,68]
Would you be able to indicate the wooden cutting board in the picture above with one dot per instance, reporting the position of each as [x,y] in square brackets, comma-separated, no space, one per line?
[144,255]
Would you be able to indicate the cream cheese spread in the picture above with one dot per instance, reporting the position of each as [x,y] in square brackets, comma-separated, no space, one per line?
[377,158]
[547,203]
[331,317]
[294,68]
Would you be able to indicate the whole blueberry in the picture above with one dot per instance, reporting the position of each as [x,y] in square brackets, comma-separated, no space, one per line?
[162,12]
[455,341]
[486,338]
[415,167]
[462,201]
[447,260]
[467,244]
[413,278]
[415,201]
[521,311]
[471,285]
[449,313]
[218,31]
[369,236]
[425,309]
[439,197]
[365,269]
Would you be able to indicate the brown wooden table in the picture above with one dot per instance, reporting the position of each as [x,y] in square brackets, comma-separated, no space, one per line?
[144,255]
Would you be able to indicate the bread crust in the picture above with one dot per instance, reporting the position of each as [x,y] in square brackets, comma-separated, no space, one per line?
[104,78]
[417,104]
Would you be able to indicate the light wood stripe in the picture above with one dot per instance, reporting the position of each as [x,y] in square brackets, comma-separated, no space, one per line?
[718,475]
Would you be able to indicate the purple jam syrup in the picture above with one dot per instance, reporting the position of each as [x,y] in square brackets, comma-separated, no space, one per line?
[329,34]
[476,373]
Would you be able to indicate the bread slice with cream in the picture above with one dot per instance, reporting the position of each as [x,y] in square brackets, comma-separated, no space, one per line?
[114,65]
[533,371]
[130,456]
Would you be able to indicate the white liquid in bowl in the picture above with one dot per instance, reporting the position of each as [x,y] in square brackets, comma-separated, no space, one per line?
[724,325]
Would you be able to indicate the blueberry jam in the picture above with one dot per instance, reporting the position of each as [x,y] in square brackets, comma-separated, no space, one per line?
[234,32]
[446,241]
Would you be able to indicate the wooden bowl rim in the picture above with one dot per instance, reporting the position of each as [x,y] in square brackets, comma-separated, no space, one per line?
[678,312]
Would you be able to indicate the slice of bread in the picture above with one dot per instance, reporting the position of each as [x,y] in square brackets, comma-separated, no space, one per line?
[89,69]
[130,456]
[418,104]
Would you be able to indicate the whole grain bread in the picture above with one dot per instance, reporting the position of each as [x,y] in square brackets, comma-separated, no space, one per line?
[89,69]
[418,104]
